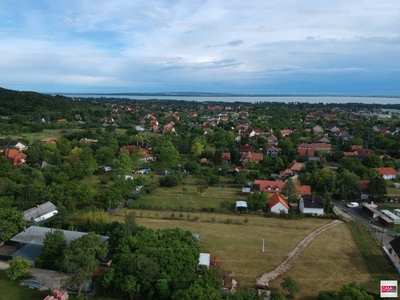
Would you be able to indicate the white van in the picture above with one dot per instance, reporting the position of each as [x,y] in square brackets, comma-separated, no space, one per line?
[352,204]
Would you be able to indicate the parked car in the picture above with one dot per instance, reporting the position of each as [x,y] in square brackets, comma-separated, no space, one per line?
[87,287]
[352,204]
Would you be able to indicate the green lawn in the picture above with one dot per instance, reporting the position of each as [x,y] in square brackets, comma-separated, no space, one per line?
[37,136]
[173,198]
[11,290]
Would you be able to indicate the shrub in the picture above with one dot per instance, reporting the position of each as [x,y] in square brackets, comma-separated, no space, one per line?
[196,218]
[246,220]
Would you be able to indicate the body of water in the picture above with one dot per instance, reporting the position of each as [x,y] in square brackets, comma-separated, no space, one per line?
[296,99]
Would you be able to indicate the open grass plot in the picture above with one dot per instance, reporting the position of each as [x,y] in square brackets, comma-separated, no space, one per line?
[236,247]
[330,261]
[175,199]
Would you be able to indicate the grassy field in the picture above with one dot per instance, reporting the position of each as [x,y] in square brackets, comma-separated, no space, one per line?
[330,261]
[37,136]
[174,199]
[10,289]
[239,247]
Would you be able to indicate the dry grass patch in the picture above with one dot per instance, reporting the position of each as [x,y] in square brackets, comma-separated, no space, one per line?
[330,261]
[237,247]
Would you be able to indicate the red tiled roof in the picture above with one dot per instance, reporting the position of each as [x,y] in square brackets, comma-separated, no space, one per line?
[386,171]
[275,199]
[252,156]
[304,151]
[15,156]
[303,189]
[226,156]
[286,132]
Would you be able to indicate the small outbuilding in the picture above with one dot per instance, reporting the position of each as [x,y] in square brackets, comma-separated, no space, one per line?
[204,261]
[385,221]
[241,205]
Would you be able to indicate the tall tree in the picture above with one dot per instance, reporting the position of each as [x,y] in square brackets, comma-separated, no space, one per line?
[11,222]
[82,258]
[290,190]
[54,244]
[377,188]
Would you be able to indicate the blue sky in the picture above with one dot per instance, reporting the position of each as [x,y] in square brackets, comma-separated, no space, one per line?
[254,47]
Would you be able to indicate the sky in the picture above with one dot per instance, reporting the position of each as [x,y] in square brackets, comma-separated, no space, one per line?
[239,47]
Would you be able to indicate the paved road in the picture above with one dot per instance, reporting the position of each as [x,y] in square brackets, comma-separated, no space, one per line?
[358,214]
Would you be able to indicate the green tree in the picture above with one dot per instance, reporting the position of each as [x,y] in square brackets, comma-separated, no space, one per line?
[377,188]
[290,190]
[258,200]
[82,258]
[276,296]
[196,149]
[165,151]
[290,285]
[11,221]
[373,161]
[54,244]
[348,292]
[18,267]
[124,163]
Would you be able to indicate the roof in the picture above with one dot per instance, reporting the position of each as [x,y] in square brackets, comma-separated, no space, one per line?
[303,189]
[29,251]
[364,185]
[226,156]
[252,156]
[386,171]
[39,211]
[275,199]
[35,235]
[204,259]
[313,201]
[269,185]
[241,204]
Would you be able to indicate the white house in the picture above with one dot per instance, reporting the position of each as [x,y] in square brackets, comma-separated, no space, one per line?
[17,145]
[387,173]
[278,204]
[311,204]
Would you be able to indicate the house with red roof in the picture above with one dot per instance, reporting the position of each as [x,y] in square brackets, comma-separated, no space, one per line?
[294,168]
[286,132]
[251,157]
[252,132]
[271,186]
[245,148]
[16,157]
[147,155]
[278,204]
[226,156]
[387,173]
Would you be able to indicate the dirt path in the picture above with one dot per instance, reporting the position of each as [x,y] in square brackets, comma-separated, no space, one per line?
[264,280]
[52,279]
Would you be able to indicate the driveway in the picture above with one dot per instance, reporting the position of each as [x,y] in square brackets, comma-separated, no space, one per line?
[52,279]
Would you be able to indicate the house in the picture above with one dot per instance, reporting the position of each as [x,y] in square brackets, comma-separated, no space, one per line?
[14,144]
[286,132]
[245,148]
[147,155]
[318,129]
[311,204]
[387,173]
[322,140]
[252,132]
[278,204]
[16,157]
[272,151]
[269,186]
[323,147]
[251,157]
[40,212]
[293,169]
[272,140]
[226,157]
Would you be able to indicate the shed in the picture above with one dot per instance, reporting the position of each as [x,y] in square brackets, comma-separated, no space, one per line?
[397,211]
[371,211]
[41,212]
[241,204]
[204,261]
[385,221]
[392,216]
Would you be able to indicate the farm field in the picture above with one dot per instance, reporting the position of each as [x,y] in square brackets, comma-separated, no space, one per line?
[239,247]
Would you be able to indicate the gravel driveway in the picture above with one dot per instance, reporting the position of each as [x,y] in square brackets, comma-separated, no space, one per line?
[52,279]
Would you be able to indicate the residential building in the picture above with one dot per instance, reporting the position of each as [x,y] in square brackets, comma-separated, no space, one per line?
[387,173]
[278,204]
[311,204]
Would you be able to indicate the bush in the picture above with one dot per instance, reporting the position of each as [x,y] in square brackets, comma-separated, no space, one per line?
[150,188]
[172,179]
